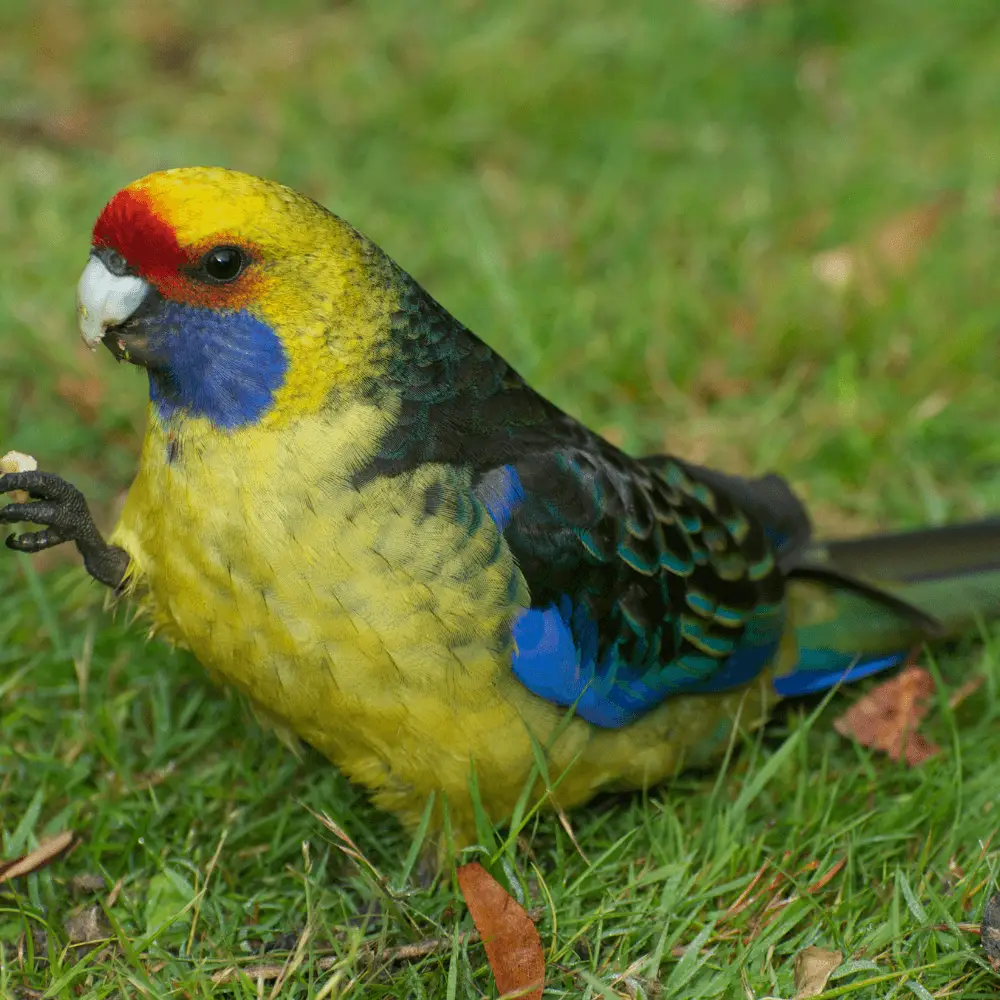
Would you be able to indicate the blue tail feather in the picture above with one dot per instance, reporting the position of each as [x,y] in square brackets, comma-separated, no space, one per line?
[820,669]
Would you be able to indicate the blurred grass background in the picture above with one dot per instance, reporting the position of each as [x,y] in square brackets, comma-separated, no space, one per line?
[760,235]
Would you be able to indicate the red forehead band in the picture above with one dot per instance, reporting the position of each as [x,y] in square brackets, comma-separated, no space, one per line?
[129,224]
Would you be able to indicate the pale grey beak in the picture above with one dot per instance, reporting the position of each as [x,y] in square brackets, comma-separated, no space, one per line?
[104,299]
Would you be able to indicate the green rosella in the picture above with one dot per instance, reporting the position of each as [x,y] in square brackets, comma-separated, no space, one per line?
[354,511]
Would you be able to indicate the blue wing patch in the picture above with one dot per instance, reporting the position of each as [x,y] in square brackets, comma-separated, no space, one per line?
[556,658]
[556,648]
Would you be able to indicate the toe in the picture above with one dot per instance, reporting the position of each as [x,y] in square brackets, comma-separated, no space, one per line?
[35,541]
[36,513]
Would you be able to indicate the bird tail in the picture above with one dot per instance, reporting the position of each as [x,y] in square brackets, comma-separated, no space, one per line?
[860,605]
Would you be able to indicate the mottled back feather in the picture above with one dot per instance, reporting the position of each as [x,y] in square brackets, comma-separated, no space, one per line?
[649,571]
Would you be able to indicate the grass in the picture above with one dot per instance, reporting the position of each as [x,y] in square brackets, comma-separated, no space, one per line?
[630,206]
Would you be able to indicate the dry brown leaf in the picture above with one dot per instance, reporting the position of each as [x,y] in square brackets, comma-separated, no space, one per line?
[887,717]
[892,250]
[813,967]
[116,891]
[44,854]
[513,947]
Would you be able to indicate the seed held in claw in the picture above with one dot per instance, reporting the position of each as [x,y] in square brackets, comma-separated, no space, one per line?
[17,461]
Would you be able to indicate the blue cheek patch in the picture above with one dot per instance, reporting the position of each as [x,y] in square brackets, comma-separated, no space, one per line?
[225,366]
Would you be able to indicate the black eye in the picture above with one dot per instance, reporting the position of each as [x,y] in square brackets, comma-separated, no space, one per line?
[223,263]
[115,263]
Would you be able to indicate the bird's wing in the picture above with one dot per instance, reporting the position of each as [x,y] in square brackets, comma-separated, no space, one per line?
[646,579]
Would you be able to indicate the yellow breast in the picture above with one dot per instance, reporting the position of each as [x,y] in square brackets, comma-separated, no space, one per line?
[376,631]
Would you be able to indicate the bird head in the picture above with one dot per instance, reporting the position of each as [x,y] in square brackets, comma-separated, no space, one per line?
[245,301]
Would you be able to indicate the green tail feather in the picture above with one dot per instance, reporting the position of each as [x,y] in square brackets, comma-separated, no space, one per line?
[951,573]
[860,605]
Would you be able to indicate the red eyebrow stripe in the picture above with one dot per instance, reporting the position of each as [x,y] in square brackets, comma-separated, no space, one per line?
[129,224]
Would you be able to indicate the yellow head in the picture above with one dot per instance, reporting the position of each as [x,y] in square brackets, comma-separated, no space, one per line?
[247,301]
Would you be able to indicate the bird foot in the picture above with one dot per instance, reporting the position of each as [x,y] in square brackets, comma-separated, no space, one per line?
[63,512]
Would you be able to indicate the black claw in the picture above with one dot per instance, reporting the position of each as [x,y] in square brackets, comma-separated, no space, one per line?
[63,510]
[35,541]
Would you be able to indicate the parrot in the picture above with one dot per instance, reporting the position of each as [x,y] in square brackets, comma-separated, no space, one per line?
[354,511]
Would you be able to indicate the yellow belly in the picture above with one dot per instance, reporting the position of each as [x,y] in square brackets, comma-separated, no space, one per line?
[378,634]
